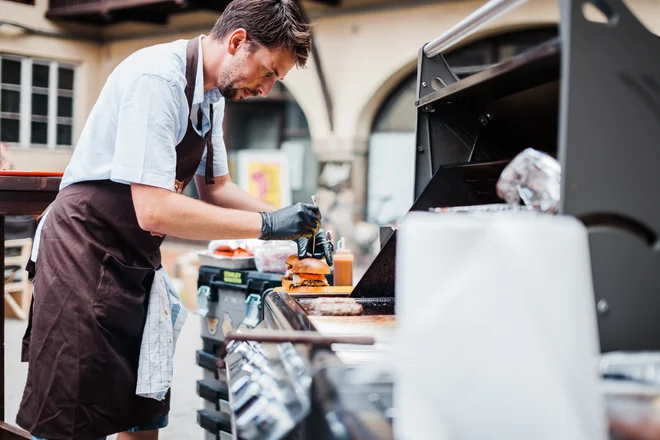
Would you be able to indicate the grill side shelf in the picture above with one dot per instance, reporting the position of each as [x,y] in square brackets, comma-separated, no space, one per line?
[532,68]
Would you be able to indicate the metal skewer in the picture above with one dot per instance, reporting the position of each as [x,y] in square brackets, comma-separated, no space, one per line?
[315,199]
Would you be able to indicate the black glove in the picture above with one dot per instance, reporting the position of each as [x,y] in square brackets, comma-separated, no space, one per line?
[324,246]
[291,222]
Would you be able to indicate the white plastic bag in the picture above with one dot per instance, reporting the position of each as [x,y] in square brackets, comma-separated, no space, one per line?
[272,255]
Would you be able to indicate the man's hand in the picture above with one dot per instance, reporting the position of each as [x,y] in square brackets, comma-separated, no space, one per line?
[291,222]
[324,246]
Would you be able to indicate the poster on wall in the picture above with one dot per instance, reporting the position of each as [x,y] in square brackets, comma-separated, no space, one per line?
[265,175]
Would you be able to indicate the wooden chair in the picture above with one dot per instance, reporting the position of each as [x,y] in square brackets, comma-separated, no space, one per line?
[18,294]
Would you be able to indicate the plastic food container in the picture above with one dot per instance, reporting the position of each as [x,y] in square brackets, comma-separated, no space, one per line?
[272,255]
[207,258]
[210,258]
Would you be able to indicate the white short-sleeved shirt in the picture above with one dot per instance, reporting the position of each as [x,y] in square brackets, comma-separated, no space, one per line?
[141,116]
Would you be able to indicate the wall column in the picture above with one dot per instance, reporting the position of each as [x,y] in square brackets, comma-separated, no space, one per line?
[343,169]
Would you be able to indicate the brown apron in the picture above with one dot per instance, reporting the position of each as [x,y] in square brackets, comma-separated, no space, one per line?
[92,280]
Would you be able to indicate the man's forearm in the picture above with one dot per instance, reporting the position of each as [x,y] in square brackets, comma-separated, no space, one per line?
[230,195]
[165,212]
[233,196]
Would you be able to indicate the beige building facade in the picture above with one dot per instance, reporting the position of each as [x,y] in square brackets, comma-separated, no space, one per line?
[367,50]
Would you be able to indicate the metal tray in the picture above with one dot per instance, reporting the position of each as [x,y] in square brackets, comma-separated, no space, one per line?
[207,259]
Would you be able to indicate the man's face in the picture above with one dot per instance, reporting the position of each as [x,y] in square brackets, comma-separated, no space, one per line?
[252,71]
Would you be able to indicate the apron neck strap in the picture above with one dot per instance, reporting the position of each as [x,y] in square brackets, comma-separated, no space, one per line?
[192,58]
[208,172]
[208,139]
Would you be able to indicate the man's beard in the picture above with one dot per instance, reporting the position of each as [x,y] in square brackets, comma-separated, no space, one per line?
[230,87]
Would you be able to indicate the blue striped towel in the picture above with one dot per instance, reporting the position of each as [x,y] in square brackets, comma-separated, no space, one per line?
[165,319]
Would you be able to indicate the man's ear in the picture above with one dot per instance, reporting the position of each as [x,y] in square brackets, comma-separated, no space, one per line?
[236,40]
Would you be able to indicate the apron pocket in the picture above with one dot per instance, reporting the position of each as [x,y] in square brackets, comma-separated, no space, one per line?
[120,300]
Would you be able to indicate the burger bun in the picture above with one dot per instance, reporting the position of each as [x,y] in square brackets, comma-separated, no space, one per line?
[311,265]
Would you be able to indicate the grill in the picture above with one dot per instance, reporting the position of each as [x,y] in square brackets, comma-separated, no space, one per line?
[596,111]
[335,400]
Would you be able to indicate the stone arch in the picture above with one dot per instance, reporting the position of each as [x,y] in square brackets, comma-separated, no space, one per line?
[377,99]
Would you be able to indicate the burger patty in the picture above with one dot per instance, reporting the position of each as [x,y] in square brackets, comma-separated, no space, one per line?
[335,307]
[298,282]
[313,283]
[334,300]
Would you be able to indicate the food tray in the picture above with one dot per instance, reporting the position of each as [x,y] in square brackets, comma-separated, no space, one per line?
[209,259]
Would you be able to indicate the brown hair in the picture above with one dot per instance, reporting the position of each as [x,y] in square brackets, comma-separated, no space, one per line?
[271,24]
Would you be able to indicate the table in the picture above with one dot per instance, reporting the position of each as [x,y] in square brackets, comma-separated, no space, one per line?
[20,193]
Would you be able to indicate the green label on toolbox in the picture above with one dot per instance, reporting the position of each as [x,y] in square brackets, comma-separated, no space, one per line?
[233,277]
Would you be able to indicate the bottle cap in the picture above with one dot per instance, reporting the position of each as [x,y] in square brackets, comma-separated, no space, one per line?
[341,247]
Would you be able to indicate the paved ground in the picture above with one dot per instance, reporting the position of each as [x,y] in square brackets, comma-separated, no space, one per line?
[185,402]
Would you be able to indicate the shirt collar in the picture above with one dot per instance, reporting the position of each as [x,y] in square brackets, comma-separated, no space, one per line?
[199,95]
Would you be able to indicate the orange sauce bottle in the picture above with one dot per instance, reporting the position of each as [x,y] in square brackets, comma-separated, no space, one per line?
[343,265]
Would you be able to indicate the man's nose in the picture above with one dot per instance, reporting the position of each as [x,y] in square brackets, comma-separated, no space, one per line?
[265,88]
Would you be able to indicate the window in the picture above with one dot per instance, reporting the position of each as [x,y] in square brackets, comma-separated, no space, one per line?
[36,102]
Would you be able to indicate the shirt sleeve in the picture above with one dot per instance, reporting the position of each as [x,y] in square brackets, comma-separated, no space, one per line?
[147,128]
[220,165]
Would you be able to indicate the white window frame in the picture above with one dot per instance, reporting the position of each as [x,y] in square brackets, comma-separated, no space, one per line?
[25,111]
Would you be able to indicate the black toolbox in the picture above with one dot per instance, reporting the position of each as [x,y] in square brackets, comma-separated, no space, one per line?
[226,298]
[223,297]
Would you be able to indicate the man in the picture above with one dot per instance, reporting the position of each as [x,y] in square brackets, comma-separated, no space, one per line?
[155,127]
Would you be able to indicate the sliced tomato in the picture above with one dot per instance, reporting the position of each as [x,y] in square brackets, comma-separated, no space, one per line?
[243,253]
[227,254]
[227,251]
[311,276]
